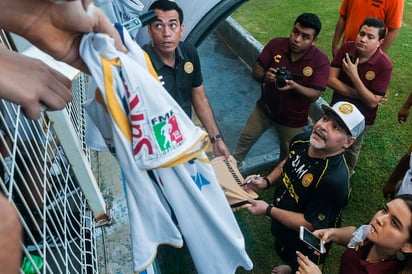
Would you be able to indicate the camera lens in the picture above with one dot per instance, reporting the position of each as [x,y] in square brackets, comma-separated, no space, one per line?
[280,82]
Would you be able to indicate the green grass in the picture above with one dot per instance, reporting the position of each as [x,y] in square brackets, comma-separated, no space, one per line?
[383,145]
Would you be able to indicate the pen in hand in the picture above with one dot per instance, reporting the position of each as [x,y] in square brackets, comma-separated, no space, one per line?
[250,180]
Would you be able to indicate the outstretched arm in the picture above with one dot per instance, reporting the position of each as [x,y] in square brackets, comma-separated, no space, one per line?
[56,27]
[30,83]
[341,235]
[204,111]
[292,220]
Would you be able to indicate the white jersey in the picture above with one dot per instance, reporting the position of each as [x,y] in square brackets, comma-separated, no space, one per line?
[146,129]
[406,185]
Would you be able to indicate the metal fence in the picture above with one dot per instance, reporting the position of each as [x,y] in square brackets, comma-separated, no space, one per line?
[42,167]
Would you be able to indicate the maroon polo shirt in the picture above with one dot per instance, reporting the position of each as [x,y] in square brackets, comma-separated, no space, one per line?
[375,74]
[289,108]
[353,261]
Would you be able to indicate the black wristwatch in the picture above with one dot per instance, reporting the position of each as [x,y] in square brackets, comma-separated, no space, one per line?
[215,138]
[268,185]
[268,210]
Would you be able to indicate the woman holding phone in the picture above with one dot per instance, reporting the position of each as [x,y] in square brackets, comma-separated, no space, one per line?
[387,248]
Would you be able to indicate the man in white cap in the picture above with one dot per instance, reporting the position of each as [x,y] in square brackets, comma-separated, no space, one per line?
[312,183]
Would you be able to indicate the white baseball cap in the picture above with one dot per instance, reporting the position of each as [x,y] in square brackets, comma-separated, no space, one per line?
[348,115]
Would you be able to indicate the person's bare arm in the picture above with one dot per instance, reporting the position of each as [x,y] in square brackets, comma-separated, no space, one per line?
[310,93]
[290,219]
[390,186]
[359,91]
[340,235]
[338,86]
[275,174]
[259,183]
[258,73]
[339,29]
[403,112]
[30,83]
[268,77]
[389,39]
[362,92]
[10,238]
[56,27]
[204,111]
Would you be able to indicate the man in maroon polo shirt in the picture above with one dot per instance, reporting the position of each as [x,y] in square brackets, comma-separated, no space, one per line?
[360,74]
[293,72]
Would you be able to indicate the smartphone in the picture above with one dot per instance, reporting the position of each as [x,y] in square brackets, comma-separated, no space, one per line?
[310,239]
[352,58]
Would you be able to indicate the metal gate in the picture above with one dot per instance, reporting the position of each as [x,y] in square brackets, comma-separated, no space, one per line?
[45,171]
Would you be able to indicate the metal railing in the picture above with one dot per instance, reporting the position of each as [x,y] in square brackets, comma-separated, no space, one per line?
[45,172]
[38,179]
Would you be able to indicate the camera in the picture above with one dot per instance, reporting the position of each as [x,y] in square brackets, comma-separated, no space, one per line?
[282,75]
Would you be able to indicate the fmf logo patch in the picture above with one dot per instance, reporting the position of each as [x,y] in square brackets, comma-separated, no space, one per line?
[167,133]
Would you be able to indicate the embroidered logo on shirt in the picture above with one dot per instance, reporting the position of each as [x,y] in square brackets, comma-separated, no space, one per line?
[188,67]
[307,71]
[277,58]
[307,179]
[370,75]
[167,132]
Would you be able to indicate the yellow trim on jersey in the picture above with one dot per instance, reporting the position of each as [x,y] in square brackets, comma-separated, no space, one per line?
[188,155]
[116,110]
[150,67]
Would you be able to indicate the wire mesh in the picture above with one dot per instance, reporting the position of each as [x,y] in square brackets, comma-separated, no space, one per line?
[36,176]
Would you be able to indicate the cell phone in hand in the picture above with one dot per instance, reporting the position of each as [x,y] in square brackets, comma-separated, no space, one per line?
[311,240]
[352,58]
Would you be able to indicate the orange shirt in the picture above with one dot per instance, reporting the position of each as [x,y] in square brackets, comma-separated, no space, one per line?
[356,11]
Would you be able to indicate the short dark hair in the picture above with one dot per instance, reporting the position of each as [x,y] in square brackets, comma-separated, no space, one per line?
[375,23]
[309,20]
[166,5]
